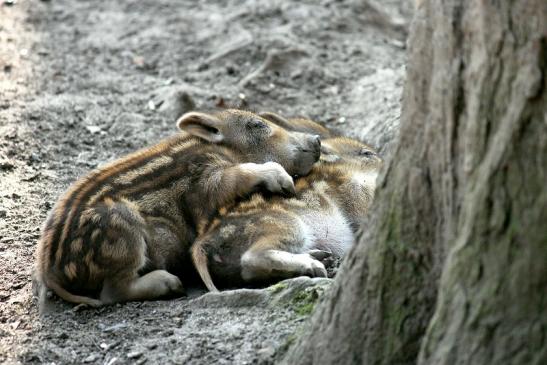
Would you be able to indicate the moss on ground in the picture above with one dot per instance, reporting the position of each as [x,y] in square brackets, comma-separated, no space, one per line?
[304,302]
[274,289]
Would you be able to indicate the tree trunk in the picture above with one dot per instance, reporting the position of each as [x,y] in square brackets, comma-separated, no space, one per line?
[454,267]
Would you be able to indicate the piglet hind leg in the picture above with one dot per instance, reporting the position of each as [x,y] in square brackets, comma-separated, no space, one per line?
[153,285]
[126,257]
[263,265]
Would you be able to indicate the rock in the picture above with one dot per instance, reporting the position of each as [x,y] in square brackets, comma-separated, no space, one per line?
[92,358]
[112,361]
[93,129]
[134,354]
[152,346]
[34,157]
[6,165]
[268,350]
[115,328]
[11,134]
[283,293]
[109,346]
[234,298]
[46,205]
[143,64]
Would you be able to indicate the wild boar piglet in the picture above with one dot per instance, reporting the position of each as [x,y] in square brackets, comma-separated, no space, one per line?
[123,231]
[268,238]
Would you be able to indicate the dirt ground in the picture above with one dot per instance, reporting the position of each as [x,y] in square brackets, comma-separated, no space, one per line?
[82,82]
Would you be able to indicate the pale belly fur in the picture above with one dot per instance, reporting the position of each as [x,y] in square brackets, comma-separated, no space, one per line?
[327,230]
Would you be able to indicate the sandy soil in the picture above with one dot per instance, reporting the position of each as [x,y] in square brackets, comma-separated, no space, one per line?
[82,82]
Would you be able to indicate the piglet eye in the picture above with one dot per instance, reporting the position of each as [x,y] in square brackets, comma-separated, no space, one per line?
[366,153]
[256,124]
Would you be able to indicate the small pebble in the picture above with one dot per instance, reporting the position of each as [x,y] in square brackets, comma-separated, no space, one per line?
[115,327]
[111,361]
[34,157]
[266,352]
[134,354]
[47,205]
[93,129]
[92,358]
[6,165]
[107,347]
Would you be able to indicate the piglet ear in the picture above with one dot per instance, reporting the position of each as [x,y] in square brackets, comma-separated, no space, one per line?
[277,119]
[202,125]
[328,153]
[302,125]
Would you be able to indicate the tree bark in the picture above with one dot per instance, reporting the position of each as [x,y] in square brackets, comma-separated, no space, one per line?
[454,267]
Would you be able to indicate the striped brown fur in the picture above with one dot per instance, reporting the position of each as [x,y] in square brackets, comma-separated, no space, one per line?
[122,232]
[267,238]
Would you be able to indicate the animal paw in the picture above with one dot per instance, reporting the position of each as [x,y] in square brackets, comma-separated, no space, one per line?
[326,257]
[311,267]
[320,254]
[169,284]
[276,179]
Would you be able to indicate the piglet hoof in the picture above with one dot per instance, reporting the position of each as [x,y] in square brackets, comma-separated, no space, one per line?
[81,307]
[316,270]
[326,257]
[90,305]
[170,285]
[319,254]
[277,180]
